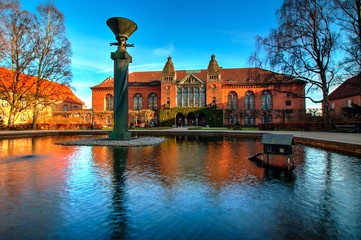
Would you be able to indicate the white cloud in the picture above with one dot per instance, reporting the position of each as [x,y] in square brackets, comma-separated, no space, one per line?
[165,50]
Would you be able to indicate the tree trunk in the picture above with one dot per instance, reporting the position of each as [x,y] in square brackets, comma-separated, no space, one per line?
[11,121]
[326,113]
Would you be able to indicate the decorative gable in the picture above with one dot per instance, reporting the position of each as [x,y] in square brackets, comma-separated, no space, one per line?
[191,79]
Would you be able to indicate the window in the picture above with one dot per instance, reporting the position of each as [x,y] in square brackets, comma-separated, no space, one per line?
[266,117]
[349,103]
[203,96]
[167,105]
[249,101]
[266,100]
[185,97]
[179,97]
[75,107]
[196,97]
[108,120]
[232,100]
[288,102]
[65,108]
[153,101]
[249,119]
[138,102]
[109,102]
[333,105]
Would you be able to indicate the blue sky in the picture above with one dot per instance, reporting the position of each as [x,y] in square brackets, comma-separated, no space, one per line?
[189,31]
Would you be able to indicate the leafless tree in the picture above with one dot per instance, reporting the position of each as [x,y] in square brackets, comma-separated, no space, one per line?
[349,18]
[17,31]
[52,60]
[302,46]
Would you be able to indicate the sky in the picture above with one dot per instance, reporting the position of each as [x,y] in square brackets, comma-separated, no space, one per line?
[189,31]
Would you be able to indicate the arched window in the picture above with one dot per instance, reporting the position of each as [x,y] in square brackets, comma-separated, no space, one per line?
[153,101]
[109,102]
[65,108]
[138,102]
[107,120]
[232,100]
[249,101]
[266,100]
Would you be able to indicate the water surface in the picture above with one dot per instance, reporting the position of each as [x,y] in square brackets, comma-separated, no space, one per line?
[185,188]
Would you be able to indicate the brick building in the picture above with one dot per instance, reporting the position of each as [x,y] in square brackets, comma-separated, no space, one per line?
[214,96]
[348,93]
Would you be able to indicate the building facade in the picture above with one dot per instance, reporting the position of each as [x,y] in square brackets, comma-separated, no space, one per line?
[214,96]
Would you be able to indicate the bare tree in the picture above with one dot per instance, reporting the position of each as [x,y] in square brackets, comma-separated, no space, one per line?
[17,31]
[349,18]
[52,58]
[302,46]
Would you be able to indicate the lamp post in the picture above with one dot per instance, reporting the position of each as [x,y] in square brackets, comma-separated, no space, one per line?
[122,28]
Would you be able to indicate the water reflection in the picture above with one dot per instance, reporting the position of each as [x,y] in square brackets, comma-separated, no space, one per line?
[184,188]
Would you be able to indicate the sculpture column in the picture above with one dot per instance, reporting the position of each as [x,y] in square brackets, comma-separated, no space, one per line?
[122,28]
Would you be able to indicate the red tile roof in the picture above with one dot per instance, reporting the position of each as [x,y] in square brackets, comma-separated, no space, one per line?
[234,76]
[351,87]
[48,88]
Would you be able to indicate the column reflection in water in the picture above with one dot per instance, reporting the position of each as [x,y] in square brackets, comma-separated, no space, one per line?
[119,214]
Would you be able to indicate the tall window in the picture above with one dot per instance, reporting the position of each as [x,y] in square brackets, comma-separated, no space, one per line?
[109,102]
[232,100]
[138,102]
[249,101]
[266,100]
[179,97]
[65,108]
[203,96]
[107,120]
[185,97]
[196,97]
[153,101]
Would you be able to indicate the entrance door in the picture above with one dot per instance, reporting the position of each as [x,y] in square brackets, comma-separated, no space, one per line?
[179,119]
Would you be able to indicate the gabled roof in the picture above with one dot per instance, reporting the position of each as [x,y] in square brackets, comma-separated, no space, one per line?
[351,87]
[48,88]
[191,79]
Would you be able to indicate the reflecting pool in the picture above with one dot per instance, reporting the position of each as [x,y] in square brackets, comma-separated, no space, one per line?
[185,188]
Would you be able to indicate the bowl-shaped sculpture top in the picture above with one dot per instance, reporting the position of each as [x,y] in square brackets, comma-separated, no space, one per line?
[122,27]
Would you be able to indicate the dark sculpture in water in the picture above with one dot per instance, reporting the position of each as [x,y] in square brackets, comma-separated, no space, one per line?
[122,28]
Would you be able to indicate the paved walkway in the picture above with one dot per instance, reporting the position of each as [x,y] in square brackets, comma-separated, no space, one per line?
[352,138]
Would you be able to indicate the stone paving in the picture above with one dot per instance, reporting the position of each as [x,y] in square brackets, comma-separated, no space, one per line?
[133,142]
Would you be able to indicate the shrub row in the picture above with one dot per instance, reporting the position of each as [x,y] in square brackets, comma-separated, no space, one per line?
[58,126]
